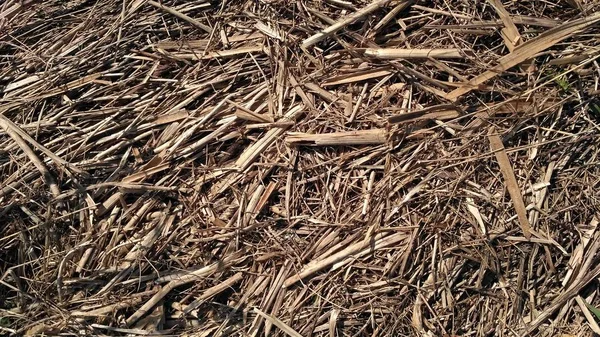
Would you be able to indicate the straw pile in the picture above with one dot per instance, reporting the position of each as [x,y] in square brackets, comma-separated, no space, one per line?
[299,168]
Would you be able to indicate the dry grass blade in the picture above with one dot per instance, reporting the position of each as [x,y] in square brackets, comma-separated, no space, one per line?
[511,182]
[46,175]
[526,51]
[174,282]
[181,16]
[357,76]
[212,292]
[375,5]
[284,327]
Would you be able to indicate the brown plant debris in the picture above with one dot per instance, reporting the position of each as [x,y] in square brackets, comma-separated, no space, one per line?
[299,168]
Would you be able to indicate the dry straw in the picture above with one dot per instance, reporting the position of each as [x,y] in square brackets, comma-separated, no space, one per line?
[299,168]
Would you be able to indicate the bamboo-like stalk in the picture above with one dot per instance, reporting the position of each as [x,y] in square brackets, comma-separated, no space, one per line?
[394,53]
[364,137]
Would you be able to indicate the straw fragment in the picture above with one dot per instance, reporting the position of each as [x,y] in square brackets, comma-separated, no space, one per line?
[425,169]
